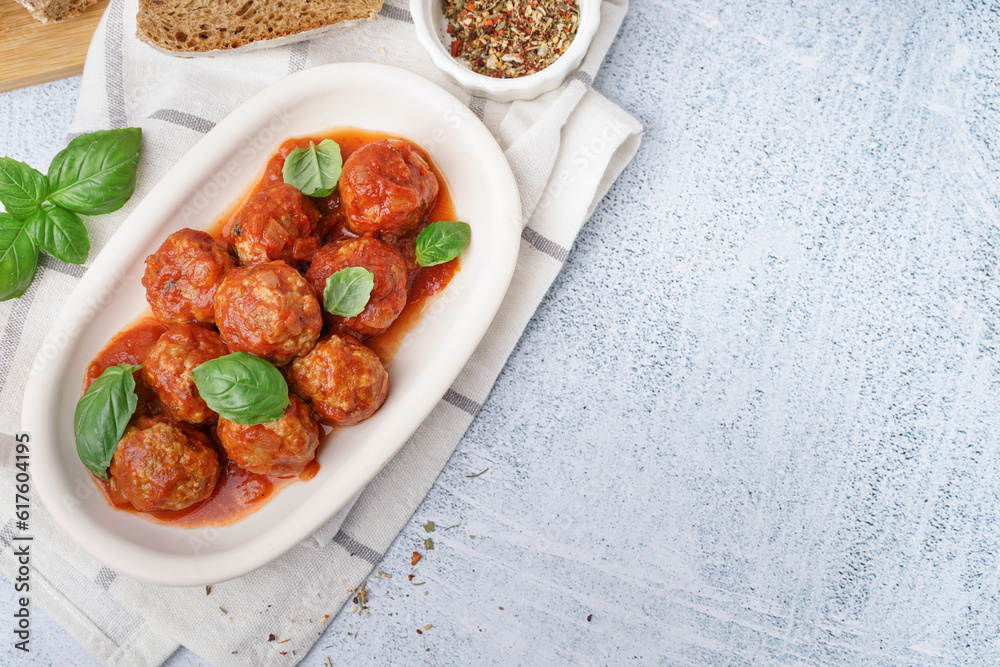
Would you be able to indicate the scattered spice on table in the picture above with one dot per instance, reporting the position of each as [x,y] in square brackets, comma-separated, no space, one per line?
[510,38]
[208,590]
[429,527]
[429,544]
[361,601]
[415,559]
[476,475]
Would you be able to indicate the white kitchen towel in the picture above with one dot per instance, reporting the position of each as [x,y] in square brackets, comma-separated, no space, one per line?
[566,148]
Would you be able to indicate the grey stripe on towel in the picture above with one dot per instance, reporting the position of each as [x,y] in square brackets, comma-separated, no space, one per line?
[190,121]
[548,246]
[461,402]
[297,57]
[11,336]
[105,577]
[114,82]
[355,548]
[396,13]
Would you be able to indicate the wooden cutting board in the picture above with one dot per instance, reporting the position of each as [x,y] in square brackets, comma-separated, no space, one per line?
[33,52]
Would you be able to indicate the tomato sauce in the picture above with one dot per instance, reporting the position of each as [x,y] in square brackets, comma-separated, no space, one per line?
[239,493]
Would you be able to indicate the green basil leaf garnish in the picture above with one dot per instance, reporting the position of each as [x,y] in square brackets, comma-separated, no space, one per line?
[102,414]
[60,233]
[242,388]
[347,291]
[18,257]
[442,241]
[96,172]
[314,170]
[22,188]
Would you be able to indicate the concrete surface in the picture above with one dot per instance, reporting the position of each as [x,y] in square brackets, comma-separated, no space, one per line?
[755,420]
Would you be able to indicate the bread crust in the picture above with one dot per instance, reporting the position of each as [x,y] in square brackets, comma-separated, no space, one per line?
[193,27]
[51,11]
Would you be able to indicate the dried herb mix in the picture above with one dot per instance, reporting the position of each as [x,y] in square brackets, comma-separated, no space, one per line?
[510,38]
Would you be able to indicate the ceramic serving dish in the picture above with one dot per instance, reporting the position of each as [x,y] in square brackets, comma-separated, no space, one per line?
[432,33]
[200,189]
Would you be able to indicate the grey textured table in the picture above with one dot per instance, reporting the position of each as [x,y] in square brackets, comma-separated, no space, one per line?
[755,420]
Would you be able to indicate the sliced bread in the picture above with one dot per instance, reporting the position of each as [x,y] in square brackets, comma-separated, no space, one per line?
[190,27]
[49,11]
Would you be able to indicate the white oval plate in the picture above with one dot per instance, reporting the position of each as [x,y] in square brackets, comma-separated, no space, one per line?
[110,296]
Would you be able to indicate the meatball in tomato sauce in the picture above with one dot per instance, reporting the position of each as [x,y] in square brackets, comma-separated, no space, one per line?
[388,296]
[344,380]
[386,187]
[277,223]
[161,465]
[269,310]
[167,370]
[281,448]
[182,275]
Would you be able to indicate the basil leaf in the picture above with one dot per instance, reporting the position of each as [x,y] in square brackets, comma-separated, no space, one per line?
[314,170]
[347,291]
[18,257]
[96,172]
[22,188]
[102,414]
[242,388]
[60,233]
[442,241]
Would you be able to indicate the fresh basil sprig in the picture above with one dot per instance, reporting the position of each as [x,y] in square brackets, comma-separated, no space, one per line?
[347,291]
[314,170]
[102,414]
[442,241]
[18,257]
[242,388]
[94,174]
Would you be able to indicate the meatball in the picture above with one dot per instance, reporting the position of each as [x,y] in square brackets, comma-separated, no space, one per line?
[160,465]
[168,369]
[344,380]
[277,223]
[281,448]
[388,296]
[269,310]
[386,187]
[182,276]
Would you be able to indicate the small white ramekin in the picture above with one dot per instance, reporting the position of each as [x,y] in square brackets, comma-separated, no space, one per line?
[432,34]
